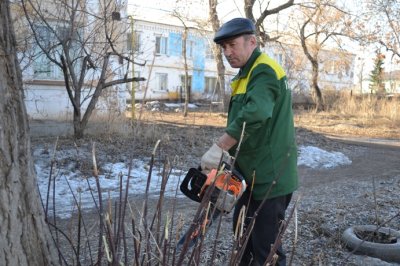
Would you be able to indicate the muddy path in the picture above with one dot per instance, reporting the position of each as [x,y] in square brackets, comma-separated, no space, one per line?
[369,160]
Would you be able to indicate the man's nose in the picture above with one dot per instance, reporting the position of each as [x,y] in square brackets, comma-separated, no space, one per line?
[227,51]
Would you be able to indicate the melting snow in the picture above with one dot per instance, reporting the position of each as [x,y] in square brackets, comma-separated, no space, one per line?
[71,185]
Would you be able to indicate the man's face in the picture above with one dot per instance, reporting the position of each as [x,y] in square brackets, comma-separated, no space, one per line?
[237,51]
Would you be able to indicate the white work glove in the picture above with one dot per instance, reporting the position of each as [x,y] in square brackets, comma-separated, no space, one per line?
[211,158]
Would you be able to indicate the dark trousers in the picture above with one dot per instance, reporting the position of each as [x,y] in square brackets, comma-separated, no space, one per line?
[266,227]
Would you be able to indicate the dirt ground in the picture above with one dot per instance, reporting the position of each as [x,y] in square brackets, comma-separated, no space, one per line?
[329,200]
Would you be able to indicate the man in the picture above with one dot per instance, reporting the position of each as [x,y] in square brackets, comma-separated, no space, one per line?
[268,153]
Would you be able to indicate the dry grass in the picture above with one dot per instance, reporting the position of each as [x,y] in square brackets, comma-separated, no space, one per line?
[366,107]
[194,118]
[346,115]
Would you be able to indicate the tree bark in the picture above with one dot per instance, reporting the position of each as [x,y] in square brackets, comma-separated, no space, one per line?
[316,91]
[221,78]
[317,95]
[186,85]
[24,235]
[218,54]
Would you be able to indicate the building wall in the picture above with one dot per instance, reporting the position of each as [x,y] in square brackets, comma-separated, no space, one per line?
[392,86]
[172,62]
[336,68]
[49,100]
[391,81]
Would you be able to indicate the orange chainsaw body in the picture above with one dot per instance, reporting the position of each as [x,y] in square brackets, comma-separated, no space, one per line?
[227,187]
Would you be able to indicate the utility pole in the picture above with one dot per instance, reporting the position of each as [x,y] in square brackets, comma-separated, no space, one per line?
[133,68]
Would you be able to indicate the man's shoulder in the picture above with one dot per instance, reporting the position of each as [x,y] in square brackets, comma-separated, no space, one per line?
[267,65]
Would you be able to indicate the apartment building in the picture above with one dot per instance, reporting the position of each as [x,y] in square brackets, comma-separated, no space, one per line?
[156,47]
[159,46]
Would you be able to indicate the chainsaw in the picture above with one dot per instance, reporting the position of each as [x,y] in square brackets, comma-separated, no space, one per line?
[227,186]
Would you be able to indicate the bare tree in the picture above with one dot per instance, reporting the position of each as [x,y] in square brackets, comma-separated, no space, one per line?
[81,39]
[322,21]
[213,17]
[386,14]
[265,12]
[185,63]
[24,236]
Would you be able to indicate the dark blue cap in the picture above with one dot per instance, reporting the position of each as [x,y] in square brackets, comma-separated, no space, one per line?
[234,28]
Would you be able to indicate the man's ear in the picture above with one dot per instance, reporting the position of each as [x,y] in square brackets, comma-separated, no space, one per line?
[253,40]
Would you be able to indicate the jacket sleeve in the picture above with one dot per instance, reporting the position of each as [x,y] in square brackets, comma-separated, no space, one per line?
[258,102]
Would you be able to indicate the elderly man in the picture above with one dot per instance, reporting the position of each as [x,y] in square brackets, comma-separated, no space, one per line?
[268,154]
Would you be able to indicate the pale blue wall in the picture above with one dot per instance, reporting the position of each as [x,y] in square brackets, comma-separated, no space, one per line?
[175,49]
[175,44]
[198,64]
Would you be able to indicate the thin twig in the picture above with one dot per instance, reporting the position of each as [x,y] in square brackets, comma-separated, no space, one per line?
[295,237]
[375,201]
[96,176]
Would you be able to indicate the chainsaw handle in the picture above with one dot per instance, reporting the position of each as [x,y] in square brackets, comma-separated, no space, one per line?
[196,179]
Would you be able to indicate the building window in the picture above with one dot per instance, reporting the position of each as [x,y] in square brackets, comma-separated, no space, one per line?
[51,37]
[136,42]
[43,68]
[210,84]
[44,36]
[209,51]
[161,45]
[189,48]
[161,81]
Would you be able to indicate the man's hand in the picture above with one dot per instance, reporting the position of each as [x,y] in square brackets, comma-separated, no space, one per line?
[211,158]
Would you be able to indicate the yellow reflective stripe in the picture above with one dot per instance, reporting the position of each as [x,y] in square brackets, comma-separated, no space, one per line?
[264,59]
[239,86]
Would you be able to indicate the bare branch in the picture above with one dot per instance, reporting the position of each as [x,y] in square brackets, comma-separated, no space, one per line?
[276,10]
[122,81]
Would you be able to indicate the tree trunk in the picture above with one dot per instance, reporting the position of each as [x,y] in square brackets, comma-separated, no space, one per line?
[78,127]
[221,79]
[218,53]
[316,92]
[184,39]
[24,235]
[317,95]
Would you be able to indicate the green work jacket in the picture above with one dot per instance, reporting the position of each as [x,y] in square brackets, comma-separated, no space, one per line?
[268,153]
